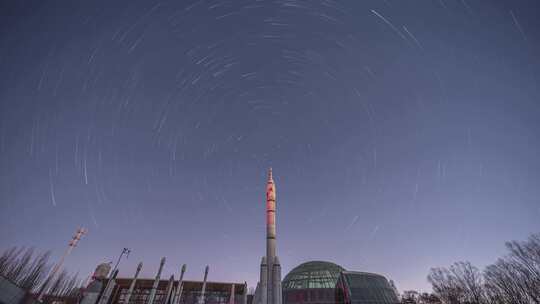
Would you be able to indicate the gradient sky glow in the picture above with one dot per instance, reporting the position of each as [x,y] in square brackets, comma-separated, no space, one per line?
[403,134]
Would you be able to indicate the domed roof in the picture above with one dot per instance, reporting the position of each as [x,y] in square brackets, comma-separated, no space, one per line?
[314,274]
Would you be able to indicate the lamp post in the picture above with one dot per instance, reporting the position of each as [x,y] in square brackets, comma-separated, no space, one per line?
[125,251]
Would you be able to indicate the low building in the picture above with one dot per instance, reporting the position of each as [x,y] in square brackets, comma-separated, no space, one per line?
[216,292]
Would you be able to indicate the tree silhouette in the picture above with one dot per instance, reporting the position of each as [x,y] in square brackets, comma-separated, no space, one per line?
[514,278]
[29,271]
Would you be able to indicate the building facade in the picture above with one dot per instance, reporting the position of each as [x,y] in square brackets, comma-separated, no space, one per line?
[135,290]
[215,292]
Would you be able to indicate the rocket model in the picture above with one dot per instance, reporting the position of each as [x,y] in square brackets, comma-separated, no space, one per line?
[133,282]
[156,282]
[203,290]
[269,287]
[169,289]
[178,293]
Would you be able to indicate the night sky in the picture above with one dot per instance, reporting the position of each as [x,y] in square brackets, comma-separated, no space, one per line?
[403,135]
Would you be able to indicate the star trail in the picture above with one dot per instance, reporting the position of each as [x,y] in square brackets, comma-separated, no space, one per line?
[402,134]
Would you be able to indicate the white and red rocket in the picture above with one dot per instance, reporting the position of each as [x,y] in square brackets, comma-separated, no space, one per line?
[269,286]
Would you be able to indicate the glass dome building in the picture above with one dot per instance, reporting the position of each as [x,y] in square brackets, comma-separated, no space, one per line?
[364,288]
[311,283]
[320,282]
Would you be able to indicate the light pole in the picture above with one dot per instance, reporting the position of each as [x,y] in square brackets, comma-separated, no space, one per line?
[72,244]
[125,251]
[104,297]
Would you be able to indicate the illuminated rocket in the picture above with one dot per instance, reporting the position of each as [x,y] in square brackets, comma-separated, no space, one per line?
[269,287]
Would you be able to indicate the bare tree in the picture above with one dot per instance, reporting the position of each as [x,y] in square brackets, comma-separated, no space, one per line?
[515,278]
[22,267]
[74,286]
[35,273]
[428,298]
[7,260]
[470,281]
[460,284]
[17,271]
[13,264]
[58,283]
[445,285]
[409,297]
[502,284]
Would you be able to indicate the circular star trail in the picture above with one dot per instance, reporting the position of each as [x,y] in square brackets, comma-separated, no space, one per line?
[402,135]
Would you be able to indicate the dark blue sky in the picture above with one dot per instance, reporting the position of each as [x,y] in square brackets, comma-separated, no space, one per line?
[403,134]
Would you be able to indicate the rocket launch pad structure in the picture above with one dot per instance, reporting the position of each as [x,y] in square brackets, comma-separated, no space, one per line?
[269,286]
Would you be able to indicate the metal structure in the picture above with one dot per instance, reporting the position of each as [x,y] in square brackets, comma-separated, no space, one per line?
[72,244]
[312,275]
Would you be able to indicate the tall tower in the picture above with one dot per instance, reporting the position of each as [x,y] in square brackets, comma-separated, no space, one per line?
[269,287]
